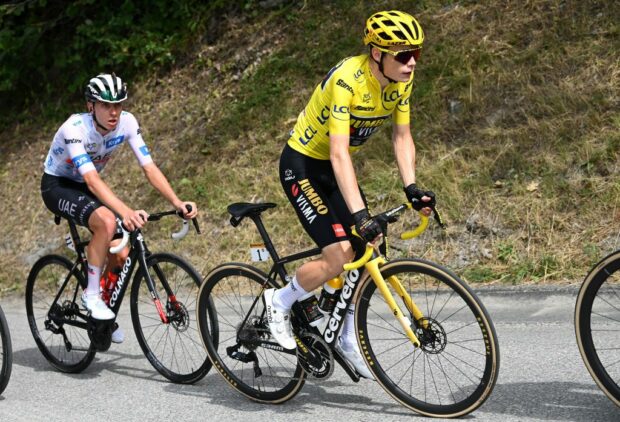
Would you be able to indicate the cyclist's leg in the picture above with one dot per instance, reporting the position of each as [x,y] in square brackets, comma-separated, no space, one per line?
[310,186]
[75,202]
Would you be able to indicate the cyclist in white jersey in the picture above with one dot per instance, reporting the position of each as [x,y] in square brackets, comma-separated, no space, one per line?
[72,188]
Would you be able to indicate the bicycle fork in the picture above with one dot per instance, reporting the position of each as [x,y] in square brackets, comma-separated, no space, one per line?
[372,267]
[153,291]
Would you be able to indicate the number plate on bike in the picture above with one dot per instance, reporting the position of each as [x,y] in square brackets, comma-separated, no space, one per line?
[259,252]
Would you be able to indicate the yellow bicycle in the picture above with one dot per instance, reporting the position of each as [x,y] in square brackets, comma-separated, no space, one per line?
[425,335]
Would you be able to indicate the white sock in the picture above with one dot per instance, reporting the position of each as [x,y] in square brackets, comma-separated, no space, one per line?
[347,336]
[94,278]
[285,297]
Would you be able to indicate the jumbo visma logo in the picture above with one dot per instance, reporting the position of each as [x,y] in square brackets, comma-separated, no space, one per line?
[308,201]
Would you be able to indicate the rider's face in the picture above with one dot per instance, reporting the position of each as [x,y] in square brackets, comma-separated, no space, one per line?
[395,69]
[108,114]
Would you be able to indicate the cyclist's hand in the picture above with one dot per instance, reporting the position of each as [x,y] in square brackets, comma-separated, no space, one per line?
[183,209]
[367,227]
[421,200]
[135,219]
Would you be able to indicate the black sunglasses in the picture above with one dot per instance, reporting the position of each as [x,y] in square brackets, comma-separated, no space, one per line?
[404,56]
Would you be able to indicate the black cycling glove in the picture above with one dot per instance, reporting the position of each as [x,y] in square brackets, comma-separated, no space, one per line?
[367,227]
[415,194]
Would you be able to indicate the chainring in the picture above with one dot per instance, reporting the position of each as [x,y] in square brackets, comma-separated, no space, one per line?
[318,360]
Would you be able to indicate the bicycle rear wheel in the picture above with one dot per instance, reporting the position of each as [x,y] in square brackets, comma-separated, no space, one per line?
[67,347]
[6,353]
[173,348]
[597,324]
[456,367]
[246,356]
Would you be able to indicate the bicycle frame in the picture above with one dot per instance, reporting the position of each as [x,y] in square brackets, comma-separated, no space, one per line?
[371,261]
[138,255]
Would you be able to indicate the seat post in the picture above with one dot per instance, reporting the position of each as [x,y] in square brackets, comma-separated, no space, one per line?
[263,233]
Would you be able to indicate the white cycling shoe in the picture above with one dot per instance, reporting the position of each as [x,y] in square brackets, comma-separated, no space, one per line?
[97,307]
[279,322]
[355,358]
[118,335]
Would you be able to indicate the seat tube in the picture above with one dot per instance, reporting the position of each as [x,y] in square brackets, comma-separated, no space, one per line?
[373,269]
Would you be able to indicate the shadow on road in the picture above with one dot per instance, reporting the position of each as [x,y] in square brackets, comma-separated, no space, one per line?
[112,361]
[565,401]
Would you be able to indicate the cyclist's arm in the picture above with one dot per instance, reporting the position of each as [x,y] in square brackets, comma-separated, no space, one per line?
[344,172]
[132,219]
[157,179]
[404,151]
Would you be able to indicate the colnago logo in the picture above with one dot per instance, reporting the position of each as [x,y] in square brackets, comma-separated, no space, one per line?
[310,202]
[121,282]
[336,318]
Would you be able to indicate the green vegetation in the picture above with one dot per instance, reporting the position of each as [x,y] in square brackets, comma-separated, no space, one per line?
[515,116]
[86,37]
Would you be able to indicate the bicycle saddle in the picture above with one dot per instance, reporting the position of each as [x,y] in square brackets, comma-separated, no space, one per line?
[239,210]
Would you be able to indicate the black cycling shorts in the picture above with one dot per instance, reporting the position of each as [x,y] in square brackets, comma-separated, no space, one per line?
[311,187]
[69,199]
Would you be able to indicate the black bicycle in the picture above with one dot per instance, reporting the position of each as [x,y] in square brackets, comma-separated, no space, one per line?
[597,324]
[6,353]
[424,334]
[163,298]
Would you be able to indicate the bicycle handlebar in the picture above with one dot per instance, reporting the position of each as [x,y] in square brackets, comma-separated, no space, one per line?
[391,216]
[155,217]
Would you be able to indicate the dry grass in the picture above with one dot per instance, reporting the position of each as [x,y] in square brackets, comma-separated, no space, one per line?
[515,118]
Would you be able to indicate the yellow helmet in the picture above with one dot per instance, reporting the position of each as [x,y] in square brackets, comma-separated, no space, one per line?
[392,27]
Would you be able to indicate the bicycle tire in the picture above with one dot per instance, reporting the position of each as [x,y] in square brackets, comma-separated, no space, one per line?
[6,352]
[456,368]
[231,289]
[44,280]
[173,348]
[597,324]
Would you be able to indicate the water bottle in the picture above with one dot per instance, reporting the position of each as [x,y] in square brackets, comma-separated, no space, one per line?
[108,283]
[311,311]
[329,295]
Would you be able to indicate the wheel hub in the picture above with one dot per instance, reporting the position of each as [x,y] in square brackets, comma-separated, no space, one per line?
[432,336]
[178,316]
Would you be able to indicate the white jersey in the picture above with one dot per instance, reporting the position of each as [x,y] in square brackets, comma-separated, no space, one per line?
[78,148]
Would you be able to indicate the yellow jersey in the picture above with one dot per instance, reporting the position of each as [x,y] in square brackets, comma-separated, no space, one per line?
[349,101]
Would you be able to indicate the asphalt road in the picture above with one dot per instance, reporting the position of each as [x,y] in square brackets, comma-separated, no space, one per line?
[541,377]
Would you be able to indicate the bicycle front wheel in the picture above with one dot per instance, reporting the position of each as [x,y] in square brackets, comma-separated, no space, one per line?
[455,369]
[51,293]
[246,356]
[597,324]
[6,354]
[172,345]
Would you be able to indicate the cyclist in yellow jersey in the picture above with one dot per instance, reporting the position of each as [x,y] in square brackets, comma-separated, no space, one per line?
[354,99]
